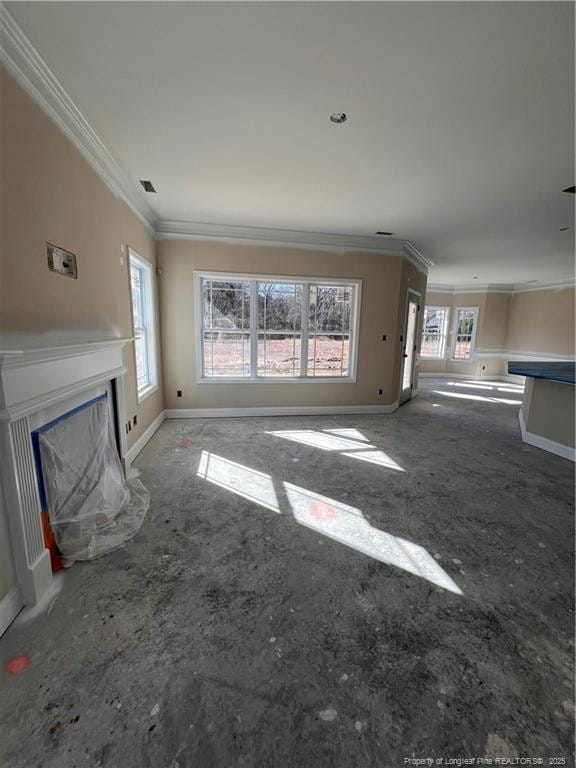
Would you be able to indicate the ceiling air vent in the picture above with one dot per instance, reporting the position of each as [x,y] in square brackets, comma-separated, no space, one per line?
[569,189]
[148,186]
[385,233]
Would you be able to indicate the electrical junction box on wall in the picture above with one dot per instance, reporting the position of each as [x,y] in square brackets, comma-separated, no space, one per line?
[61,261]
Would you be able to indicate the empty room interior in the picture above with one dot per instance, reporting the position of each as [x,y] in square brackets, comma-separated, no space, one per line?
[287,378]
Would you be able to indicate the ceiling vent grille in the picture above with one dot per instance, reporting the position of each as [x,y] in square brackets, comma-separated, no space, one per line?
[148,186]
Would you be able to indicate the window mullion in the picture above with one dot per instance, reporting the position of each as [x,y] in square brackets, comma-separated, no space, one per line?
[304,324]
[253,329]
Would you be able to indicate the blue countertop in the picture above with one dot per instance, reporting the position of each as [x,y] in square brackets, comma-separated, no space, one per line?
[562,372]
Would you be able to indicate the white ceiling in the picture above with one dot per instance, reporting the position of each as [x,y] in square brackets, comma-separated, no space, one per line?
[460,126]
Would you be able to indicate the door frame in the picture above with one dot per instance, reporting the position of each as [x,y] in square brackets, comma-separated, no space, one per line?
[411,295]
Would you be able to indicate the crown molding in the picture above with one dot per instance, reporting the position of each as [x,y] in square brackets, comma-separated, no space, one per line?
[417,258]
[470,288]
[539,285]
[191,230]
[545,285]
[196,230]
[30,70]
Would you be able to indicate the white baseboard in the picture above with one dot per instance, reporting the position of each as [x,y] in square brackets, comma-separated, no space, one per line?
[292,410]
[132,452]
[565,451]
[10,606]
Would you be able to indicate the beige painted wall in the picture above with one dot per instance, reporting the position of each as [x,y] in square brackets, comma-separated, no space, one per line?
[383,278]
[51,194]
[542,321]
[548,410]
[539,322]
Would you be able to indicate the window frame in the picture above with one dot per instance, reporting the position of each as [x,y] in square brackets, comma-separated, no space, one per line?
[254,279]
[149,308]
[454,332]
[443,336]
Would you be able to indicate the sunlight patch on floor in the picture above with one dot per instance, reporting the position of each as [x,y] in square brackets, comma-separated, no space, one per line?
[348,526]
[241,480]
[340,522]
[320,440]
[353,434]
[481,398]
[345,446]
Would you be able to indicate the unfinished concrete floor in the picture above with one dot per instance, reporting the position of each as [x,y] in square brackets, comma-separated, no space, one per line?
[235,631]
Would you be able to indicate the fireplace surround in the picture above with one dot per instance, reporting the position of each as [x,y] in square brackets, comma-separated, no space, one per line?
[40,378]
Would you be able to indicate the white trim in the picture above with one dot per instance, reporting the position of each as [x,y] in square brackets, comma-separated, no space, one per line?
[539,285]
[474,288]
[417,342]
[139,444]
[200,275]
[518,353]
[149,291]
[10,606]
[287,238]
[26,65]
[292,410]
[290,238]
[545,285]
[278,380]
[565,451]
[33,379]
[417,258]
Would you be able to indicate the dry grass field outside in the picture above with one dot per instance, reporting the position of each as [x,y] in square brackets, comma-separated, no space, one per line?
[276,357]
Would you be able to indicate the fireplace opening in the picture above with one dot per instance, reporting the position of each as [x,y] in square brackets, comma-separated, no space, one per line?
[88,507]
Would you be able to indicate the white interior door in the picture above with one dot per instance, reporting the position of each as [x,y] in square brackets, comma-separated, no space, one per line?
[409,345]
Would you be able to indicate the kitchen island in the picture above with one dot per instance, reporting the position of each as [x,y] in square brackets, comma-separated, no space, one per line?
[547,413]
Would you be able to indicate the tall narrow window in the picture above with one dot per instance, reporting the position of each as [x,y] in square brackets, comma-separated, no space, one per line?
[143,319]
[464,332]
[226,334]
[434,331]
[329,330]
[279,329]
[258,328]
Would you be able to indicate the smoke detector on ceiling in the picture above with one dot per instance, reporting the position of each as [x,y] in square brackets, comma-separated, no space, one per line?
[338,117]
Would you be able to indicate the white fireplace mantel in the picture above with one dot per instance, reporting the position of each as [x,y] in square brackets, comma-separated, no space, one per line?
[35,374]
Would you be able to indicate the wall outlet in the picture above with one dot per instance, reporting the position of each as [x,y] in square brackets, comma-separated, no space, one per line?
[178,393]
[135,420]
[384,337]
[379,391]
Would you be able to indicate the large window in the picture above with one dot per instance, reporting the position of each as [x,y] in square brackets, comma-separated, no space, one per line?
[465,322]
[434,331]
[254,328]
[143,318]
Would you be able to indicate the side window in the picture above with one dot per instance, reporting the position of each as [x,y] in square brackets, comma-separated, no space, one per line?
[144,325]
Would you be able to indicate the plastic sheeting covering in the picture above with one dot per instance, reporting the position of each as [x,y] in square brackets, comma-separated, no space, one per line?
[91,507]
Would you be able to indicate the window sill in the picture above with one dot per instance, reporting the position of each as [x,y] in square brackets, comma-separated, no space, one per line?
[146,392]
[280,380]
